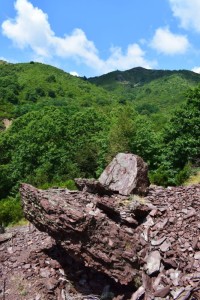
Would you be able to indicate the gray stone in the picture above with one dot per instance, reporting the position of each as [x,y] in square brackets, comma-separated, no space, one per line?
[5,237]
[45,273]
[158,242]
[51,284]
[165,246]
[153,262]
[163,292]
[126,174]
[197,255]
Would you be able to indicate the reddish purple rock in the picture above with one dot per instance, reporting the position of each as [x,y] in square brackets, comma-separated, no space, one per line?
[151,241]
[126,174]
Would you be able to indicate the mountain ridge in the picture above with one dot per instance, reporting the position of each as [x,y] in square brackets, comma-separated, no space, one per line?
[149,90]
[140,72]
[156,93]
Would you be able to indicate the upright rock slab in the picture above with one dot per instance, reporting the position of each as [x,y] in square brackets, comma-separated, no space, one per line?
[126,174]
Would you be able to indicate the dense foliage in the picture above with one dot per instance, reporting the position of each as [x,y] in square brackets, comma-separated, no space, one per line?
[180,144]
[49,145]
[64,127]
[152,92]
[24,85]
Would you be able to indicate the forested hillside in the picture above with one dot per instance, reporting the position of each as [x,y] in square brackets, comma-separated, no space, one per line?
[65,127]
[28,86]
[152,92]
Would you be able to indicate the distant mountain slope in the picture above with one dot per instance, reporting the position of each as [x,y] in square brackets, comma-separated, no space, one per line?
[149,89]
[24,84]
[30,86]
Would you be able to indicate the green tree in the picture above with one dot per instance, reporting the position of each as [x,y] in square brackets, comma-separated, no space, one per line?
[181,135]
[180,143]
[50,145]
[122,129]
[32,148]
[146,142]
[86,129]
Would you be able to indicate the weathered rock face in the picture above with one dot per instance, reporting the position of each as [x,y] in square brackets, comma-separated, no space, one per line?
[92,186]
[97,230]
[152,241]
[126,174]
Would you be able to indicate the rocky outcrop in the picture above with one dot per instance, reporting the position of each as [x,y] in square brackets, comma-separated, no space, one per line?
[92,186]
[99,230]
[126,174]
[151,243]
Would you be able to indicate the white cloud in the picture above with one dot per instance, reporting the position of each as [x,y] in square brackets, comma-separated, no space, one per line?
[31,28]
[74,73]
[8,60]
[166,42]
[188,13]
[3,58]
[196,70]
[133,56]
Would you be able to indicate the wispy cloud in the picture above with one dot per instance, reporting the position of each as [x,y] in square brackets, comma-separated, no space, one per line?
[31,28]
[196,70]
[187,11]
[166,42]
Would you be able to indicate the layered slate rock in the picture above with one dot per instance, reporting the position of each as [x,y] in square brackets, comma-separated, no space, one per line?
[126,174]
[151,242]
[99,230]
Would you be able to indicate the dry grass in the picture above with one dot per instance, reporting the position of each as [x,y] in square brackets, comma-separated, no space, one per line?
[194,179]
[21,222]
[20,287]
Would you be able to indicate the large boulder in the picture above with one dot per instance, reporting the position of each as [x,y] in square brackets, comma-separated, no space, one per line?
[126,174]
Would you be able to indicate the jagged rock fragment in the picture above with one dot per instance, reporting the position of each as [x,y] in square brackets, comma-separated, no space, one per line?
[153,262]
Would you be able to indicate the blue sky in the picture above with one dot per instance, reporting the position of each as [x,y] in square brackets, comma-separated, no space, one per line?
[93,37]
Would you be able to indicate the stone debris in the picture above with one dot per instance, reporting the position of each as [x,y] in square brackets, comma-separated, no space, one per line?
[33,267]
[149,244]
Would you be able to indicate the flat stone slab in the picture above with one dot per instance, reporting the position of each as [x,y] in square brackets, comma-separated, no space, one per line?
[5,237]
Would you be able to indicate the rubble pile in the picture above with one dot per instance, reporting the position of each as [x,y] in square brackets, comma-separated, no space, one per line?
[171,244]
[143,247]
[33,267]
[151,242]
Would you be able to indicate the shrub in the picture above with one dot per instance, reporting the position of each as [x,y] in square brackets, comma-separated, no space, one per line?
[51,78]
[184,174]
[52,94]
[40,92]
[10,210]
